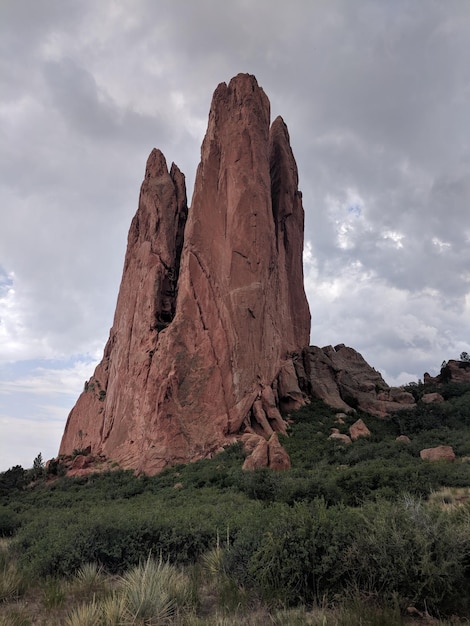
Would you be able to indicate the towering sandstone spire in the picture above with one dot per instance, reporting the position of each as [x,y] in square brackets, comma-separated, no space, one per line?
[211,308]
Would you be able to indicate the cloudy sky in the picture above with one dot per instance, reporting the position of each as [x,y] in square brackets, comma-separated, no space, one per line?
[376,95]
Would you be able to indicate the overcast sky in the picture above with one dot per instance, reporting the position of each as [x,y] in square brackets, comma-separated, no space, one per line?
[376,96]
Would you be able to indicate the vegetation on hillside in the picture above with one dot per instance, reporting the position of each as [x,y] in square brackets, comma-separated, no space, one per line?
[367,524]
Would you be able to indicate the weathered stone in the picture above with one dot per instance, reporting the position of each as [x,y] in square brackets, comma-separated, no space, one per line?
[250,441]
[452,371]
[206,326]
[439,453]
[430,398]
[335,434]
[259,456]
[403,439]
[358,429]
[290,396]
[278,459]
[82,461]
[342,378]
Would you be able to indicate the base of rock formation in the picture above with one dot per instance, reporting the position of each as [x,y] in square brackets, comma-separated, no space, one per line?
[208,343]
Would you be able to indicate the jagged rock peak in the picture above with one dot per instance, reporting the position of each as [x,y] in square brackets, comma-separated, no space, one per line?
[206,324]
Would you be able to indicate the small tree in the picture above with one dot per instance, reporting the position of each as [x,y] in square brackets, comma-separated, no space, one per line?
[38,470]
[464,356]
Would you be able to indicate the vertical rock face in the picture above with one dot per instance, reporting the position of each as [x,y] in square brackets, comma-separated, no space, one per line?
[206,324]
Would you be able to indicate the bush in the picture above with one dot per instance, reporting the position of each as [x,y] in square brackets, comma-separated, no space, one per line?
[410,550]
[297,556]
[154,592]
[9,522]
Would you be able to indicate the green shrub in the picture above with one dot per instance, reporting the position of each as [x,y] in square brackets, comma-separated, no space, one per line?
[54,592]
[9,522]
[410,550]
[299,557]
[154,592]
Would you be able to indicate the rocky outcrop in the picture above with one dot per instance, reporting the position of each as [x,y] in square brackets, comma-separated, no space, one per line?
[211,308]
[451,371]
[342,378]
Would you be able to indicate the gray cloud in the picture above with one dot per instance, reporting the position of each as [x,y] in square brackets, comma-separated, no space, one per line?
[375,95]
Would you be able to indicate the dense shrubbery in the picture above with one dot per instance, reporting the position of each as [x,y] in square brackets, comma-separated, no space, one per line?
[402,549]
[338,520]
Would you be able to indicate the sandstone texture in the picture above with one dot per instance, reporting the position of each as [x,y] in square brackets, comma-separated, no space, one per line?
[342,378]
[358,429]
[431,398]
[211,309]
[439,453]
[403,439]
[335,434]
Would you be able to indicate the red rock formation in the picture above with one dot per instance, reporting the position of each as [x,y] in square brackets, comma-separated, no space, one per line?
[452,371]
[358,429]
[335,434]
[439,453]
[342,378]
[403,439]
[432,398]
[200,349]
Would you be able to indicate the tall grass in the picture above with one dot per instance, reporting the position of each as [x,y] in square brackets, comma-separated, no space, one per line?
[89,579]
[85,614]
[12,581]
[154,592]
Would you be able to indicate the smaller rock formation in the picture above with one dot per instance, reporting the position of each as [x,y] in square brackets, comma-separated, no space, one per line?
[335,434]
[278,459]
[343,379]
[358,429]
[403,439]
[264,453]
[452,371]
[431,398]
[439,453]
[257,447]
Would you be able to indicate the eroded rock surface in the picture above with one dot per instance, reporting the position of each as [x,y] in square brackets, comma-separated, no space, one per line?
[358,429]
[453,371]
[206,324]
[439,453]
[343,379]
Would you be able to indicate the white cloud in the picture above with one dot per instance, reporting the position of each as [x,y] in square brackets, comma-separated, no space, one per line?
[376,101]
[50,381]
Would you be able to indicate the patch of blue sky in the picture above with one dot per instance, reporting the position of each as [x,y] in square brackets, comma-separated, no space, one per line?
[355,209]
[6,282]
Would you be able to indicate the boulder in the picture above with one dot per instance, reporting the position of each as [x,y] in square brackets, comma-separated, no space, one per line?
[403,439]
[439,453]
[258,457]
[358,429]
[430,398]
[278,457]
[335,434]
